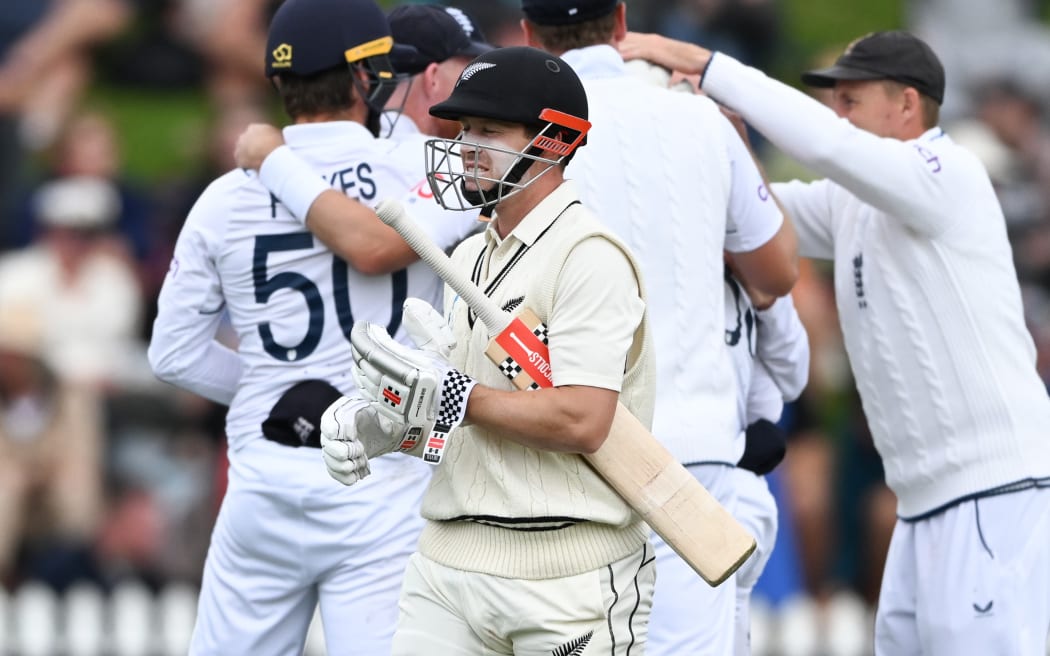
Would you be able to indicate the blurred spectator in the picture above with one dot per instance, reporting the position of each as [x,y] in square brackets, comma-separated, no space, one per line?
[88,146]
[78,277]
[748,30]
[1037,316]
[44,69]
[978,40]
[865,509]
[1016,115]
[180,44]
[50,448]
[175,198]
[232,37]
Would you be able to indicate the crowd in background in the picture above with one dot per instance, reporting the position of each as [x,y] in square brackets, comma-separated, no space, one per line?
[106,473]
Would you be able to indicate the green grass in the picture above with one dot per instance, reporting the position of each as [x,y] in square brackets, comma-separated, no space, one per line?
[162,133]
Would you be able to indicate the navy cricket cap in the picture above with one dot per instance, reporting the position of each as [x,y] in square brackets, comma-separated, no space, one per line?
[566,12]
[893,55]
[310,36]
[429,34]
[295,419]
[515,85]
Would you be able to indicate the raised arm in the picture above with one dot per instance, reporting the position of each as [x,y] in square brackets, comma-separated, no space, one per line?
[349,228]
[902,178]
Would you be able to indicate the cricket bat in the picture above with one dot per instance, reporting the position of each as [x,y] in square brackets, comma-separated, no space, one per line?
[633,462]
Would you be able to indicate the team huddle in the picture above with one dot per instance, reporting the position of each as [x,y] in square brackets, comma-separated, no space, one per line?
[473,501]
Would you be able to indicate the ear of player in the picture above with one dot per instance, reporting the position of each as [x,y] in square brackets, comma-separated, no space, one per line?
[417,387]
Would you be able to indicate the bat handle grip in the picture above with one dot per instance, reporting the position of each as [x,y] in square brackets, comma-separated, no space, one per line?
[392,213]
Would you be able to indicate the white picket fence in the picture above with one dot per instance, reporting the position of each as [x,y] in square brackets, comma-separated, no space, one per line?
[132,621]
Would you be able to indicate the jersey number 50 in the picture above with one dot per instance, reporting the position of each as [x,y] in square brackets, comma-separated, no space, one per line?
[266,286]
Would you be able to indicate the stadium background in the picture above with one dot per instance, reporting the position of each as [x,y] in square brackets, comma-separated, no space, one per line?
[103,530]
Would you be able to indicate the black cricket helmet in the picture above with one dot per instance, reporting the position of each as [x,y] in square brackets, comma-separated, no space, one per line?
[516,85]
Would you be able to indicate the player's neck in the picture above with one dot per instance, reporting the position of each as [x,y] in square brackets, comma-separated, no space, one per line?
[513,210]
[355,113]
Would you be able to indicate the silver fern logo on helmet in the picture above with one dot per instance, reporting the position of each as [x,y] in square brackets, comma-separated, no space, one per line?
[476,67]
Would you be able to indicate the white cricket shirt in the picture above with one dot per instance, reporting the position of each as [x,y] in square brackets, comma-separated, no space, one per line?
[291,301]
[926,291]
[665,183]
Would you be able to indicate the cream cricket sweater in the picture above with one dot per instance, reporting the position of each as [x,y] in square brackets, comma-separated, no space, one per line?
[498,507]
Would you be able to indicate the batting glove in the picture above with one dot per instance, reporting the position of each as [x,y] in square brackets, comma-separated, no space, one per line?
[416,387]
[352,431]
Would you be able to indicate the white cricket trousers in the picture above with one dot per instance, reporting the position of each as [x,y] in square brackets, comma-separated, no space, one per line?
[756,509]
[450,612]
[972,580]
[690,618]
[289,537]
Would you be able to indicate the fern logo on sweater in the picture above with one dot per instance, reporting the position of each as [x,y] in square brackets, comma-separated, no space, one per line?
[575,646]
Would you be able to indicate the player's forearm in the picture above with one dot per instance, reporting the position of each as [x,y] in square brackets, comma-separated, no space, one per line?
[571,419]
[70,25]
[893,175]
[346,226]
[210,370]
[352,231]
[772,268]
[782,347]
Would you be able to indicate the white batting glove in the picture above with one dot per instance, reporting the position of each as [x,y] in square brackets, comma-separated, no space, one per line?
[427,328]
[417,387]
[352,431]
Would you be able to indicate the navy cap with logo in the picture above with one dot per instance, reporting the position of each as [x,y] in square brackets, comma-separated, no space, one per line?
[515,85]
[310,36]
[566,12]
[893,55]
[295,419]
[429,34]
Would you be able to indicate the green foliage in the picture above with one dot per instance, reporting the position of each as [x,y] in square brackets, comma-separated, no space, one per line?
[161,133]
[818,27]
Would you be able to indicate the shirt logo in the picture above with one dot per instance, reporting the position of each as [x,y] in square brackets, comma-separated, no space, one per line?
[462,19]
[575,646]
[858,280]
[391,397]
[303,428]
[282,56]
[513,303]
[476,67]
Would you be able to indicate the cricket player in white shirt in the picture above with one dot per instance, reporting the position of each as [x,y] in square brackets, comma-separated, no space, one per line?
[770,353]
[677,191]
[432,46]
[288,537]
[931,311]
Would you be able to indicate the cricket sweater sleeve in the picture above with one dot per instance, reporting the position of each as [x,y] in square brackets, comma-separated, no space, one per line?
[764,398]
[782,347]
[809,206]
[902,178]
[183,350]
